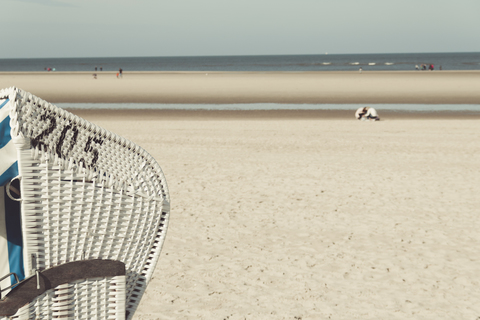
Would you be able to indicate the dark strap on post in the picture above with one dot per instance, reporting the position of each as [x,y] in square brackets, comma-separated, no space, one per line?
[26,291]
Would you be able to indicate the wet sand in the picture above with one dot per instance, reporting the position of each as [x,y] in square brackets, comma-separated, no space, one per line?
[188,115]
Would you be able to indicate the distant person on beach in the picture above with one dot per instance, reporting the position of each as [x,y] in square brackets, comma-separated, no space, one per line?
[118,74]
[360,70]
[95,68]
[101,68]
[94,76]
[120,71]
[367,113]
[430,67]
[416,67]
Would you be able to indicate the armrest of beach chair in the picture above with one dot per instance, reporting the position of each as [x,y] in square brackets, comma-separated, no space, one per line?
[38,287]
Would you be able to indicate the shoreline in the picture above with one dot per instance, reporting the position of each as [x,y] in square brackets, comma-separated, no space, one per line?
[323,87]
[171,114]
[237,72]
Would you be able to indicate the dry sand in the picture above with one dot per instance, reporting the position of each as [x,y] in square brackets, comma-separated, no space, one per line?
[303,214]
[437,87]
[313,218]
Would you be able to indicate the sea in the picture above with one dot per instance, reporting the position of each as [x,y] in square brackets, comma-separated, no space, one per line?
[318,62]
[258,63]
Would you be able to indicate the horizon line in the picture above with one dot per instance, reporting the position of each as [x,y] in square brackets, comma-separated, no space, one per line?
[242,55]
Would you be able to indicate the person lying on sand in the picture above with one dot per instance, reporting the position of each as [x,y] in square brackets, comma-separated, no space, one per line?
[367,113]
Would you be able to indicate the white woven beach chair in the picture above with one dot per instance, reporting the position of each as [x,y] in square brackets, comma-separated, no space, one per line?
[92,214]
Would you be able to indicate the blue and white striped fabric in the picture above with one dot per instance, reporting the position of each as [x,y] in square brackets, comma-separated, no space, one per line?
[11,252]
[8,153]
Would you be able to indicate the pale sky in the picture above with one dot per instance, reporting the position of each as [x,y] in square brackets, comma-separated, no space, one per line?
[111,28]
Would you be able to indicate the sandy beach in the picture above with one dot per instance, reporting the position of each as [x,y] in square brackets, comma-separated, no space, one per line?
[303,214]
[422,87]
[313,218]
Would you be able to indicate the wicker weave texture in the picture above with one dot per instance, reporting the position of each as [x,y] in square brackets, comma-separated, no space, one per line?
[87,194]
[107,156]
[82,220]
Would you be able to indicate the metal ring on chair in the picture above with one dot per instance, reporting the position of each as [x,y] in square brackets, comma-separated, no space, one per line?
[8,186]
